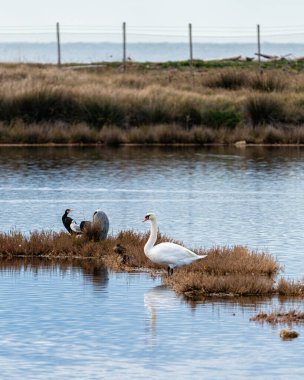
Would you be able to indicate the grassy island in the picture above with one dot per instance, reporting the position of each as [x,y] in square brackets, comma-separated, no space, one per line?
[234,271]
[169,103]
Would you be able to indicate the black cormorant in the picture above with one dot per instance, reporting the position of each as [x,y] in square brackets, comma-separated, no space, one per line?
[66,220]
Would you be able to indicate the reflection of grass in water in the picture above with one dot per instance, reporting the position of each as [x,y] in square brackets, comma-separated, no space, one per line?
[93,270]
[226,271]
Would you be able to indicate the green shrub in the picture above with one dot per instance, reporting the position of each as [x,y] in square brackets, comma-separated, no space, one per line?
[264,109]
[221,118]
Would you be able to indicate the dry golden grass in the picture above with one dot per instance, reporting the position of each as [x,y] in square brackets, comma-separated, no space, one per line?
[236,260]
[197,285]
[227,271]
[291,287]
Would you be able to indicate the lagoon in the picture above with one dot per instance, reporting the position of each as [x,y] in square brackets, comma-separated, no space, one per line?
[70,320]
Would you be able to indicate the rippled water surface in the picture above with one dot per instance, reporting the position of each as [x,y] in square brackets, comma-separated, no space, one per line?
[75,320]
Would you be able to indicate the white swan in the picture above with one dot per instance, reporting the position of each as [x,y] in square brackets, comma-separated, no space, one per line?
[170,254]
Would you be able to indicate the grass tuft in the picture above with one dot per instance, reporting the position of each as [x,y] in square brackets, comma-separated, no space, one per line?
[279,317]
[288,288]
[264,109]
[227,79]
[268,82]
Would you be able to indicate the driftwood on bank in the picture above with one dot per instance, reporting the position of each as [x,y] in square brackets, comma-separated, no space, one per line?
[236,58]
[267,56]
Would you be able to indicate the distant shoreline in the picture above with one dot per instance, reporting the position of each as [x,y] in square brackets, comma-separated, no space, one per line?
[45,52]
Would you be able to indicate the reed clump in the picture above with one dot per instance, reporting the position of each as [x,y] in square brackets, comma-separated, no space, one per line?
[268,82]
[264,109]
[195,285]
[237,260]
[280,317]
[290,287]
[227,79]
[227,271]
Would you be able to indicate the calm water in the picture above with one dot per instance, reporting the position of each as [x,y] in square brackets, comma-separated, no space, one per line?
[68,322]
[140,52]
[74,321]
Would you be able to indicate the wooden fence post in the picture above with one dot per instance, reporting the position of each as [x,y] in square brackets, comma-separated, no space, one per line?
[58,44]
[259,47]
[124,41]
[190,44]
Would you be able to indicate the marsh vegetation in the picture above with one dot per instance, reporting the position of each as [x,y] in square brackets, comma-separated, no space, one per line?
[279,317]
[150,104]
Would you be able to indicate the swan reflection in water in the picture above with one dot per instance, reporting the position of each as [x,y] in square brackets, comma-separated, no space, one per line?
[159,300]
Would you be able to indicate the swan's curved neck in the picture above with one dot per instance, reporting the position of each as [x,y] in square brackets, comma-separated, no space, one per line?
[153,236]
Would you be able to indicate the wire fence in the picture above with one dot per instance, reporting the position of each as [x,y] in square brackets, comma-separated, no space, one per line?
[95,43]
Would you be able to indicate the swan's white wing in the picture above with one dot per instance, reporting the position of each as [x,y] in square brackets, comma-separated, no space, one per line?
[75,227]
[172,254]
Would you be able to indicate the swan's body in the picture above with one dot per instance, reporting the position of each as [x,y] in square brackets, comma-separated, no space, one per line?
[169,254]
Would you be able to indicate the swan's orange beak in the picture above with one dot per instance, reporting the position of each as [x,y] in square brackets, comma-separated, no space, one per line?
[146,218]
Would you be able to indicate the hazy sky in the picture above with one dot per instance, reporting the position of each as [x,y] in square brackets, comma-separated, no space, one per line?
[201,13]
[153,12]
